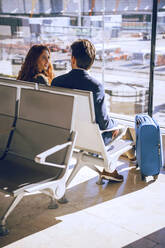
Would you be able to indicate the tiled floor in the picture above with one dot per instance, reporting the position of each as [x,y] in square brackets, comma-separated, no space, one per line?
[128,214]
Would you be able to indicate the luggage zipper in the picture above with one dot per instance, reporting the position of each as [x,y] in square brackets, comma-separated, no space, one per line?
[159,149]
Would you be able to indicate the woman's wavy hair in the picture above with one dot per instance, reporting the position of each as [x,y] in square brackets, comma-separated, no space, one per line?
[29,68]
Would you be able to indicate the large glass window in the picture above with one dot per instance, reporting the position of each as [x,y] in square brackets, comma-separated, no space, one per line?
[159,72]
[120,31]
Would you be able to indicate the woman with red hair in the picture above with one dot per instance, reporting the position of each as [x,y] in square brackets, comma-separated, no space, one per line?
[37,66]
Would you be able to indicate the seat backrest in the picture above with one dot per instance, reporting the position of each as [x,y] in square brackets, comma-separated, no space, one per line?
[88,137]
[8,113]
[45,119]
[84,98]
[14,82]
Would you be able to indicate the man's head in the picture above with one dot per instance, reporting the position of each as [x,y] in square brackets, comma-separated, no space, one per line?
[83,54]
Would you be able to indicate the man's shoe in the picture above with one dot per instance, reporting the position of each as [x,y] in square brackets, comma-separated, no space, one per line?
[114,176]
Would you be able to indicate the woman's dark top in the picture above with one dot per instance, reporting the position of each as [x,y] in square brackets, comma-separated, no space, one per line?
[41,79]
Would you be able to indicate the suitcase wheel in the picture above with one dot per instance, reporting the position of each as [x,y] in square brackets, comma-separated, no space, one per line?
[155,177]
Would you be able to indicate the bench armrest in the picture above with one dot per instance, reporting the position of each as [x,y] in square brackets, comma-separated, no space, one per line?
[40,158]
[113,129]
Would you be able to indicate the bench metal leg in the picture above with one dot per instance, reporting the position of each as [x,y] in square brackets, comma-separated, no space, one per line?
[56,193]
[86,160]
[53,202]
[100,180]
[76,168]
[3,229]
[63,200]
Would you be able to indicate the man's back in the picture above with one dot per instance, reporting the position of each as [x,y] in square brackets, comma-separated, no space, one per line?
[77,79]
[81,79]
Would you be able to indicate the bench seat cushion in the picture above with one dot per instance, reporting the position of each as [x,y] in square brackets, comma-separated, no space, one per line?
[18,174]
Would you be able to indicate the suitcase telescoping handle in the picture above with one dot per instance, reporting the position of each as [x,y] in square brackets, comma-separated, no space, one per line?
[141,119]
[138,122]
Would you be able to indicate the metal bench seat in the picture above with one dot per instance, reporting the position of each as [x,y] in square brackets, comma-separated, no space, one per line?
[40,149]
[25,174]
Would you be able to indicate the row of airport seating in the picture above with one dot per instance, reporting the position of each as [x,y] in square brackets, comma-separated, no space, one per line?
[40,128]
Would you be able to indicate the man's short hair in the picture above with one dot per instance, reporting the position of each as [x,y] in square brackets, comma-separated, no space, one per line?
[84,53]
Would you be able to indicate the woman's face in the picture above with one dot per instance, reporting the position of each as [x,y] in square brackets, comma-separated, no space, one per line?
[43,61]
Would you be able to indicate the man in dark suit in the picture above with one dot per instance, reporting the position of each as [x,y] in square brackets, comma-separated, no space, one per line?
[82,58]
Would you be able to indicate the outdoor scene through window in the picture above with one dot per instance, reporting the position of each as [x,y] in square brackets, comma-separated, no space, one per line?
[120,31]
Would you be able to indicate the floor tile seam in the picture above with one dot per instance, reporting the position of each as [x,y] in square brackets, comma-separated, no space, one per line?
[143,237]
[155,243]
[128,230]
[117,225]
[139,234]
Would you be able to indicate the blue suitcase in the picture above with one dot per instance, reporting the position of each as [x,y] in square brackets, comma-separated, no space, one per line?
[148,146]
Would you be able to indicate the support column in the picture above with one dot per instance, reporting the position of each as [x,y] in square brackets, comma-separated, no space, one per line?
[152,60]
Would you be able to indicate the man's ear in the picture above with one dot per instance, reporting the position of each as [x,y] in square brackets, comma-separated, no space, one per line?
[73,60]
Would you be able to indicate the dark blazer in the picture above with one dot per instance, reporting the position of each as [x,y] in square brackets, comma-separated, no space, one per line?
[80,79]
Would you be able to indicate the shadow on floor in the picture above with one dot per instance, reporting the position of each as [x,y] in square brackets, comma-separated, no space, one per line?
[32,215]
